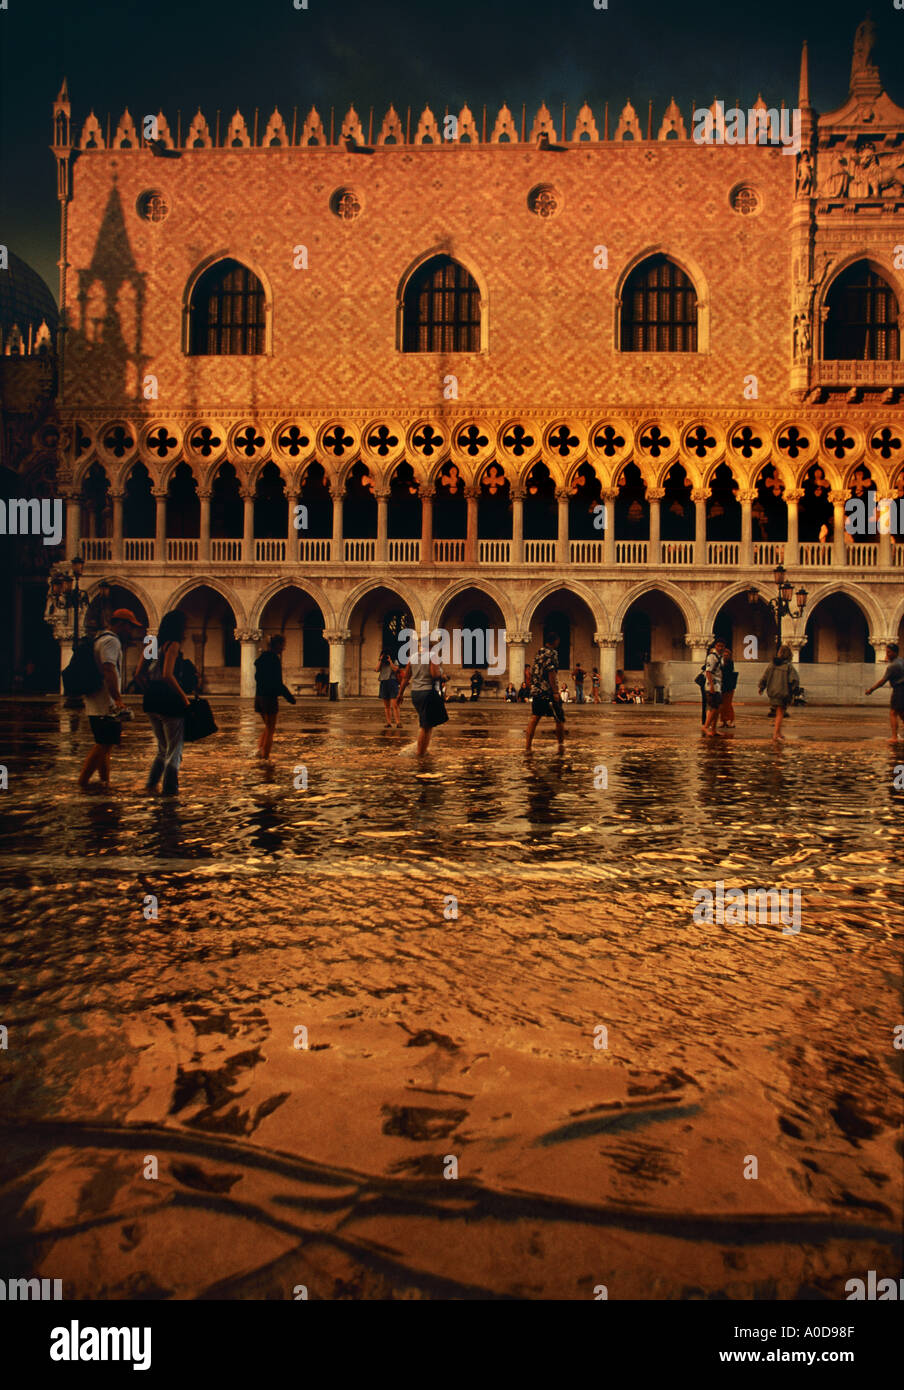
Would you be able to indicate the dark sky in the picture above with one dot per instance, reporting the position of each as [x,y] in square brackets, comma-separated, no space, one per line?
[169,54]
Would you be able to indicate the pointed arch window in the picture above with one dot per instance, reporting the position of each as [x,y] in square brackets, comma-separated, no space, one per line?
[227,316]
[441,309]
[659,309]
[862,322]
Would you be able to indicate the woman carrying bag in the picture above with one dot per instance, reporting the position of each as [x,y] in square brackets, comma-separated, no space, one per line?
[165,703]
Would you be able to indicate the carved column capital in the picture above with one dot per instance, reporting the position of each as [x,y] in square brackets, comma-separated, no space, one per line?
[337,635]
[793,494]
[248,634]
[607,639]
[700,494]
[655,494]
[839,497]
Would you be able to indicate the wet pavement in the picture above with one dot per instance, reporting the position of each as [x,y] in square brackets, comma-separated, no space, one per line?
[483,962]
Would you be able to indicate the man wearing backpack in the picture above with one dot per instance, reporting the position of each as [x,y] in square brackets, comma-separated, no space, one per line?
[104,705]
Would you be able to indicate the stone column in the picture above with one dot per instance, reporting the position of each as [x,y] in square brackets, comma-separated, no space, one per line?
[204,542]
[382,526]
[698,642]
[608,496]
[427,495]
[792,549]
[337,638]
[117,525]
[654,497]
[337,549]
[73,527]
[518,535]
[883,526]
[471,495]
[838,500]
[292,536]
[517,644]
[747,498]
[562,538]
[159,494]
[699,496]
[607,643]
[249,638]
[248,525]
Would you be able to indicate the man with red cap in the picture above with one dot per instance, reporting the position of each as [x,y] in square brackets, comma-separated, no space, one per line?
[105,706]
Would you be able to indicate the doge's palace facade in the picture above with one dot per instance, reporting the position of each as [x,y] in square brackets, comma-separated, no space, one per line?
[327,375]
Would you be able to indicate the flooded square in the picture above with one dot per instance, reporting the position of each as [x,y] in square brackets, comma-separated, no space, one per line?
[383,1028]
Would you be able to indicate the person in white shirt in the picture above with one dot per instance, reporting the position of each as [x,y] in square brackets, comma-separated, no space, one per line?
[104,705]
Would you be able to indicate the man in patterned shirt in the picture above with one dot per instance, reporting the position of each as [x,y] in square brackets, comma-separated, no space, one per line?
[544,689]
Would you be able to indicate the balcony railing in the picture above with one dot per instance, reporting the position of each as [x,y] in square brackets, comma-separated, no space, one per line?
[358,550]
[97,548]
[676,553]
[544,552]
[138,549]
[814,554]
[404,552]
[723,552]
[862,555]
[631,552]
[448,552]
[226,551]
[183,550]
[580,552]
[270,550]
[769,553]
[315,551]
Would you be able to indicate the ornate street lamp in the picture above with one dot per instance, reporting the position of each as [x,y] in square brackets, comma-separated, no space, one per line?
[781,604]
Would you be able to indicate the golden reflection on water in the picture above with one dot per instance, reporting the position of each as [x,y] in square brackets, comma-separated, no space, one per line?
[328,915]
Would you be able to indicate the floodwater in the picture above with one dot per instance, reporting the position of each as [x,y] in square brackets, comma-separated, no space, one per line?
[271,1083]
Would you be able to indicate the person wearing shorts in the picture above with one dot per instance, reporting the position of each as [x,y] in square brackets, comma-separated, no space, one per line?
[894,676]
[596,686]
[104,705]
[428,703]
[546,701]
[713,688]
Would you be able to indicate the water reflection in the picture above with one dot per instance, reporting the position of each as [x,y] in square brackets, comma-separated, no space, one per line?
[431,1033]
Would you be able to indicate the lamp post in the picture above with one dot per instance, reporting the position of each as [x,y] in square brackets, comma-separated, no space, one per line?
[64,611]
[781,604]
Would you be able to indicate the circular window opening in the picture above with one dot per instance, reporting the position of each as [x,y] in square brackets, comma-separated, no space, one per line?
[544,200]
[153,206]
[745,200]
[345,204]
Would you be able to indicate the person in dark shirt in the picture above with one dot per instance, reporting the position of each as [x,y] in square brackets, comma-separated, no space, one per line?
[544,689]
[894,676]
[268,680]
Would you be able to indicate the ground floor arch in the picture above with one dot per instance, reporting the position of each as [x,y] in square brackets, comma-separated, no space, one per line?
[476,638]
[573,619]
[837,631]
[210,640]
[376,620]
[653,637]
[293,614]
